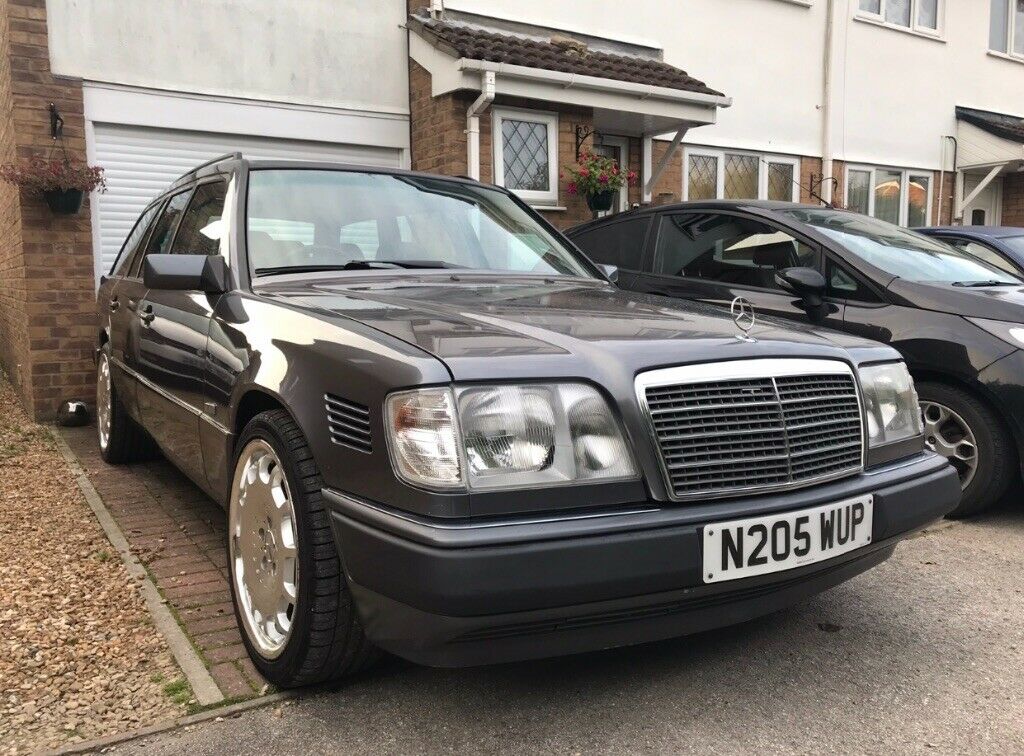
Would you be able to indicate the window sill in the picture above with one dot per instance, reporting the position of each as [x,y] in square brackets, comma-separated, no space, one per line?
[897,28]
[804,3]
[1006,56]
[549,208]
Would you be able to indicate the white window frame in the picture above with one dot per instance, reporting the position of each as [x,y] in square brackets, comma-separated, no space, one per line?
[906,174]
[1011,32]
[914,28]
[550,120]
[763,159]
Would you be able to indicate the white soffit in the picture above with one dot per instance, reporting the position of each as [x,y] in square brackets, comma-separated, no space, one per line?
[978,148]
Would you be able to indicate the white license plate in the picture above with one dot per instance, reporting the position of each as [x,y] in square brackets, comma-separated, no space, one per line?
[760,545]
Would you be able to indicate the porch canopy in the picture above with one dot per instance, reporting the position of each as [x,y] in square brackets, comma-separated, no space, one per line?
[989,144]
[631,91]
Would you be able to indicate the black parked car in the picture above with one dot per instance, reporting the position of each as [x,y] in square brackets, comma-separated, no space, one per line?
[955,319]
[440,430]
[1000,246]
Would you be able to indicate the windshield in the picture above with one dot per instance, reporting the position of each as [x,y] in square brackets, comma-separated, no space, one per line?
[903,253]
[1015,243]
[310,220]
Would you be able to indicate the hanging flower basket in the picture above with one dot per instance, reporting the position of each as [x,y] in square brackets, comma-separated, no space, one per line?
[601,201]
[62,183]
[599,179]
[64,201]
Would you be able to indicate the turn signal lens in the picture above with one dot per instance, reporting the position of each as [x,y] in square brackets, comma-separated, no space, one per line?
[423,438]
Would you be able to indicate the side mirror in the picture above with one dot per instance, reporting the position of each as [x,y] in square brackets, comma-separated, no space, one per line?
[807,283]
[612,271]
[186,273]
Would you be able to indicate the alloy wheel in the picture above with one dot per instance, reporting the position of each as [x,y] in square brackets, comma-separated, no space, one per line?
[948,434]
[263,547]
[104,400]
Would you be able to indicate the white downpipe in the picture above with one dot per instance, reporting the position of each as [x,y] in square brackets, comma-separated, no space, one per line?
[480,104]
[826,104]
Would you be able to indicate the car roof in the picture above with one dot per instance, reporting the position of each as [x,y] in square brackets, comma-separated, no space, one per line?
[235,160]
[772,205]
[978,232]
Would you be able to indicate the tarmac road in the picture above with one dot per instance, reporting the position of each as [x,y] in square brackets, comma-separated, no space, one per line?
[924,654]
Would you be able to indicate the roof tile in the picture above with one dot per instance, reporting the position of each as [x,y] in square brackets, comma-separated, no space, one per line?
[479,44]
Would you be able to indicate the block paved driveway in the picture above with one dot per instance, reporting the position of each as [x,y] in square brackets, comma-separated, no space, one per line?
[179,533]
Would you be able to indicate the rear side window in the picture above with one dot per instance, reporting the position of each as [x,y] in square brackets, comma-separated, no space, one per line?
[202,227]
[134,241]
[620,244]
[160,240]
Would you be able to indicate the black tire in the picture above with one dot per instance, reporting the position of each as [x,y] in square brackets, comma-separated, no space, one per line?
[997,458]
[326,640]
[126,441]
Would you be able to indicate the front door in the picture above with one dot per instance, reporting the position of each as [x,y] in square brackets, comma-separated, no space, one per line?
[174,326]
[716,257]
[984,209]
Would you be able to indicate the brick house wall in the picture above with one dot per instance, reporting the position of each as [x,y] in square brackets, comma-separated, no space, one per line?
[438,144]
[1013,199]
[46,263]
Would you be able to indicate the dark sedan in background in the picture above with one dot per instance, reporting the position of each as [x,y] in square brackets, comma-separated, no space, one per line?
[1001,246]
[956,319]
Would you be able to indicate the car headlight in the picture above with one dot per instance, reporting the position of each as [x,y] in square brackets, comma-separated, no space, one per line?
[890,403]
[1011,333]
[506,436]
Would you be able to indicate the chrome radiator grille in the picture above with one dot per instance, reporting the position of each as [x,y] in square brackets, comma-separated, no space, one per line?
[760,425]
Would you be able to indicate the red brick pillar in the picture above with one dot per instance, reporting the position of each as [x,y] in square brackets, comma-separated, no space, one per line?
[46,263]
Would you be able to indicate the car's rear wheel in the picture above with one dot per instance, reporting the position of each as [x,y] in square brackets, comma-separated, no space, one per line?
[291,599]
[966,432]
[121,439]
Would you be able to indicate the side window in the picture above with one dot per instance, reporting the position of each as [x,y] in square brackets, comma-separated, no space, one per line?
[201,228]
[844,285]
[729,249]
[620,244]
[160,240]
[126,256]
[983,253]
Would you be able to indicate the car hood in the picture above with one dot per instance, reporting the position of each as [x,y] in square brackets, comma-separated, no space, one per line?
[483,328]
[993,302]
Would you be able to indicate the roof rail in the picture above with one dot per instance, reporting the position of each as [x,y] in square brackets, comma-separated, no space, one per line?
[211,161]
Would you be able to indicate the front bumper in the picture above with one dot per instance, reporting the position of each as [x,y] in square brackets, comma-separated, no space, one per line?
[454,594]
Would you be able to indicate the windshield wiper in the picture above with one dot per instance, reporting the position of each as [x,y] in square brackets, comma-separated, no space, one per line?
[354,265]
[976,284]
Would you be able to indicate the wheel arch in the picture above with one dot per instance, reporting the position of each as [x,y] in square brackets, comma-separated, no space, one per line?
[979,392]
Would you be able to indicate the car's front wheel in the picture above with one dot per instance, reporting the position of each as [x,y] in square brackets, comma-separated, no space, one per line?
[291,598]
[966,432]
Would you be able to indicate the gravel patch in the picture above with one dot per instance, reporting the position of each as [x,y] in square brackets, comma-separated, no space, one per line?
[79,657]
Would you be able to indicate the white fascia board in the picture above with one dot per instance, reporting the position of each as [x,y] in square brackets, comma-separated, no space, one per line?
[570,81]
[111,103]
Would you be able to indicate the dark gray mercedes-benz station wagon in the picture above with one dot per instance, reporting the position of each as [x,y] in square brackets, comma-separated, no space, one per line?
[439,430]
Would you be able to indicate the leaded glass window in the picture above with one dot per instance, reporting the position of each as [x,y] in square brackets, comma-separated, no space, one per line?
[741,176]
[702,178]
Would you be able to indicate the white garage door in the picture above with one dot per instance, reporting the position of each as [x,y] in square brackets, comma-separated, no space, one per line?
[141,162]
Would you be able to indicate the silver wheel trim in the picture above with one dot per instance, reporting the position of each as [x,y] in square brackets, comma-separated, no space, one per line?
[104,400]
[948,434]
[263,548]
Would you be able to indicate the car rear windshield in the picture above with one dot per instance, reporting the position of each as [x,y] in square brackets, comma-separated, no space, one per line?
[902,253]
[311,220]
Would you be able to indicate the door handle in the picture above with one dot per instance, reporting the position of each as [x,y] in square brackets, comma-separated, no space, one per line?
[146,313]
[114,304]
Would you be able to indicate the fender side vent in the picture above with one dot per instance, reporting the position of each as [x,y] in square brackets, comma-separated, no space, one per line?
[348,423]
